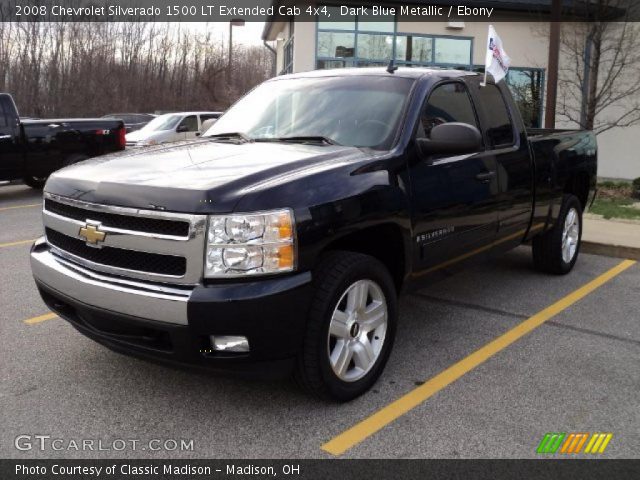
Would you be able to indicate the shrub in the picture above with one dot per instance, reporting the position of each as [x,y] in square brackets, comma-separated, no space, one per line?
[636,187]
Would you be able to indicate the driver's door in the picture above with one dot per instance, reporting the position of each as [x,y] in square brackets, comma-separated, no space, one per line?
[454,197]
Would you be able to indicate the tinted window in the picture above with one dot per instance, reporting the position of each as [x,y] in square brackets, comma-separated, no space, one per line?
[447,103]
[3,117]
[208,116]
[191,122]
[499,128]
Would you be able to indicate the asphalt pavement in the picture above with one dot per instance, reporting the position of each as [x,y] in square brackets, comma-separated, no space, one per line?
[576,372]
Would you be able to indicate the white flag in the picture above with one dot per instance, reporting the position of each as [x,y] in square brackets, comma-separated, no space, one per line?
[497,61]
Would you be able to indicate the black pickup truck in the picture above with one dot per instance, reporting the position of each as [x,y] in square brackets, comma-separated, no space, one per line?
[32,149]
[279,241]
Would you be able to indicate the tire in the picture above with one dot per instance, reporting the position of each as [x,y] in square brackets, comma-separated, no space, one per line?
[345,363]
[35,182]
[551,253]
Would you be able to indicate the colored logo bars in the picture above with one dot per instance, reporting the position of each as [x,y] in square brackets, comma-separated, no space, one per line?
[573,443]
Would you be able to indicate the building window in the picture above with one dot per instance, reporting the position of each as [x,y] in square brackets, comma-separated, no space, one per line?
[353,41]
[429,50]
[287,49]
[359,42]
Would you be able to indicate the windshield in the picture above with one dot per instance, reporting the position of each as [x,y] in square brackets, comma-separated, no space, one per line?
[163,122]
[357,111]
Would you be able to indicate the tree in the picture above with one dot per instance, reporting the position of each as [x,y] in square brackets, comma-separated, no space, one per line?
[600,80]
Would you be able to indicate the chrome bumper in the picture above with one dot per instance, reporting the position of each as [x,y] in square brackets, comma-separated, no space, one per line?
[130,297]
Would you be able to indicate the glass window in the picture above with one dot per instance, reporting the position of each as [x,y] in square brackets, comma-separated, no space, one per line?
[447,103]
[358,111]
[3,117]
[414,49]
[345,23]
[191,122]
[375,46]
[499,128]
[288,56]
[341,45]
[162,123]
[329,64]
[453,50]
[382,23]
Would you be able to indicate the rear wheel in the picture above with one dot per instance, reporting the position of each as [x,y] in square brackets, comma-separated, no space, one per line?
[351,327]
[556,251]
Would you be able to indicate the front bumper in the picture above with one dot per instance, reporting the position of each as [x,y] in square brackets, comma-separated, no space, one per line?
[174,324]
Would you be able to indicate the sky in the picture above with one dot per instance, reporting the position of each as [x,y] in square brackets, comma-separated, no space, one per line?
[250,34]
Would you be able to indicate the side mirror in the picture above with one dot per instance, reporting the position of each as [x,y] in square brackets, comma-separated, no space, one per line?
[450,138]
[182,128]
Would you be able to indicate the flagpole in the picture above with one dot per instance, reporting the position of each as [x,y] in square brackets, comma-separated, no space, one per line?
[484,82]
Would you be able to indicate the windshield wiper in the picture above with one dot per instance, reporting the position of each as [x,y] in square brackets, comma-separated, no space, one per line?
[300,139]
[238,136]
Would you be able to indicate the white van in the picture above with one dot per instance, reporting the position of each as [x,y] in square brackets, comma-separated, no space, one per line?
[170,127]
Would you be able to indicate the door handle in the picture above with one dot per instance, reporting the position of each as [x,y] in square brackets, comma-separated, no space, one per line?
[485,177]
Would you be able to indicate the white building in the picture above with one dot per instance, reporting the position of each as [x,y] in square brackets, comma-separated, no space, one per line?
[354,42]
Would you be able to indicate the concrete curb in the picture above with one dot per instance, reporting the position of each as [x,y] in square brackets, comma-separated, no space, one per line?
[617,251]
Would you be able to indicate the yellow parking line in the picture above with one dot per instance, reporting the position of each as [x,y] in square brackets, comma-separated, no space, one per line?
[19,242]
[383,417]
[13,207]
[40,318]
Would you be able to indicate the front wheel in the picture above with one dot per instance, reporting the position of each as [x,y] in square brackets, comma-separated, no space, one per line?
[35,182]
[556,251]
[350,328]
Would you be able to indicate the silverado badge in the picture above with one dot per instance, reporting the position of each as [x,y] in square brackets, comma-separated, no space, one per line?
[92,234]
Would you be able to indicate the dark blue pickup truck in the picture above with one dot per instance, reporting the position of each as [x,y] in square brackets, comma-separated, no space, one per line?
[281,239]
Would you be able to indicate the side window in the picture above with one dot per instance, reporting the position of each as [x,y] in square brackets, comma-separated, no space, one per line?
[3,115]
[499,127]
[191,122]
[447,103]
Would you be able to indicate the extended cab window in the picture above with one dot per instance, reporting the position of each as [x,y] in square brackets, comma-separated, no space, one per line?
[447,103]
[499,129]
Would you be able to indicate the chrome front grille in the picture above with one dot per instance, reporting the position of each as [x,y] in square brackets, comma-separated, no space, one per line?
[141,244]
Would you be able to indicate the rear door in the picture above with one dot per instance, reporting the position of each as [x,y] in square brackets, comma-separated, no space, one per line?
[454,197]
[10,146]
[507,144]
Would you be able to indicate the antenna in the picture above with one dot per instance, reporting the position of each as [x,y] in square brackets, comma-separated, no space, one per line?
[392,66]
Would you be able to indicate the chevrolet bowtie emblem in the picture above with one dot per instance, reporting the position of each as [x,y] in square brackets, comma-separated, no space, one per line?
[92,234]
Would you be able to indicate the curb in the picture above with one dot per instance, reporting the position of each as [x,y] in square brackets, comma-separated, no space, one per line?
[617,251]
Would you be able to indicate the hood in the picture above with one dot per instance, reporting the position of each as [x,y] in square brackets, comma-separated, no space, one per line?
[194,177]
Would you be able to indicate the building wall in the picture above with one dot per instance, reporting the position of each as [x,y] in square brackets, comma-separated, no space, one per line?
[526,44]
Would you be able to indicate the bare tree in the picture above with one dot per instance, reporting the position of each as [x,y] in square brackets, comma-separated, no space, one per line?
[600,81]
[60,68]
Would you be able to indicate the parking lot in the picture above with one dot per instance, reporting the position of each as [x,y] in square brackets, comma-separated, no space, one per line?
[577,372]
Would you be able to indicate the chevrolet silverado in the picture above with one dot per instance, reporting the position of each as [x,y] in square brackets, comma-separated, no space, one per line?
[281,239]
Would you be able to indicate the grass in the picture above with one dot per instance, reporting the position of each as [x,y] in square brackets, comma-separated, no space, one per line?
[615,208]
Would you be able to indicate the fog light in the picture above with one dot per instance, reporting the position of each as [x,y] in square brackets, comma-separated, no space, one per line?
[229,343]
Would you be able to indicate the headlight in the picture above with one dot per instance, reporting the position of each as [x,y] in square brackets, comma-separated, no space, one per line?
[239,245]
